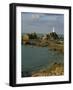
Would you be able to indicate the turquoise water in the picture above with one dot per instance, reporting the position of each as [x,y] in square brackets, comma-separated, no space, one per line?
[35,58]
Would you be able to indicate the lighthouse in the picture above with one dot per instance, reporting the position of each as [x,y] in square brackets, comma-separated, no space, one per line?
[53,29]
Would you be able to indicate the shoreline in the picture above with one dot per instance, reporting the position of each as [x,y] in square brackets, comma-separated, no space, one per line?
[57,69]
[52,45]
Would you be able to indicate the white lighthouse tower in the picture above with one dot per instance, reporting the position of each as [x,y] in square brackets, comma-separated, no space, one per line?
[53,29]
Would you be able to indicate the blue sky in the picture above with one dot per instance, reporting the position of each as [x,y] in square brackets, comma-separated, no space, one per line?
[42,23]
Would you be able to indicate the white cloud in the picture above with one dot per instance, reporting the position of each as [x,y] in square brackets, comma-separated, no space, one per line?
[35,16]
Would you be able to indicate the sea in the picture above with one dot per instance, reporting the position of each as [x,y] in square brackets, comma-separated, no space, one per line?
[36,58]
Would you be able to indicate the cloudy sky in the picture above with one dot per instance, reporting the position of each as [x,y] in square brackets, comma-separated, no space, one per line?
[42,23]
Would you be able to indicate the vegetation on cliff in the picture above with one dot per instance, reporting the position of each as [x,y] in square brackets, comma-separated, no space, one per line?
[52,36]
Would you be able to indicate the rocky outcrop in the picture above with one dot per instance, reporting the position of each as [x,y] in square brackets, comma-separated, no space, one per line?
[55,70]
[25,39]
